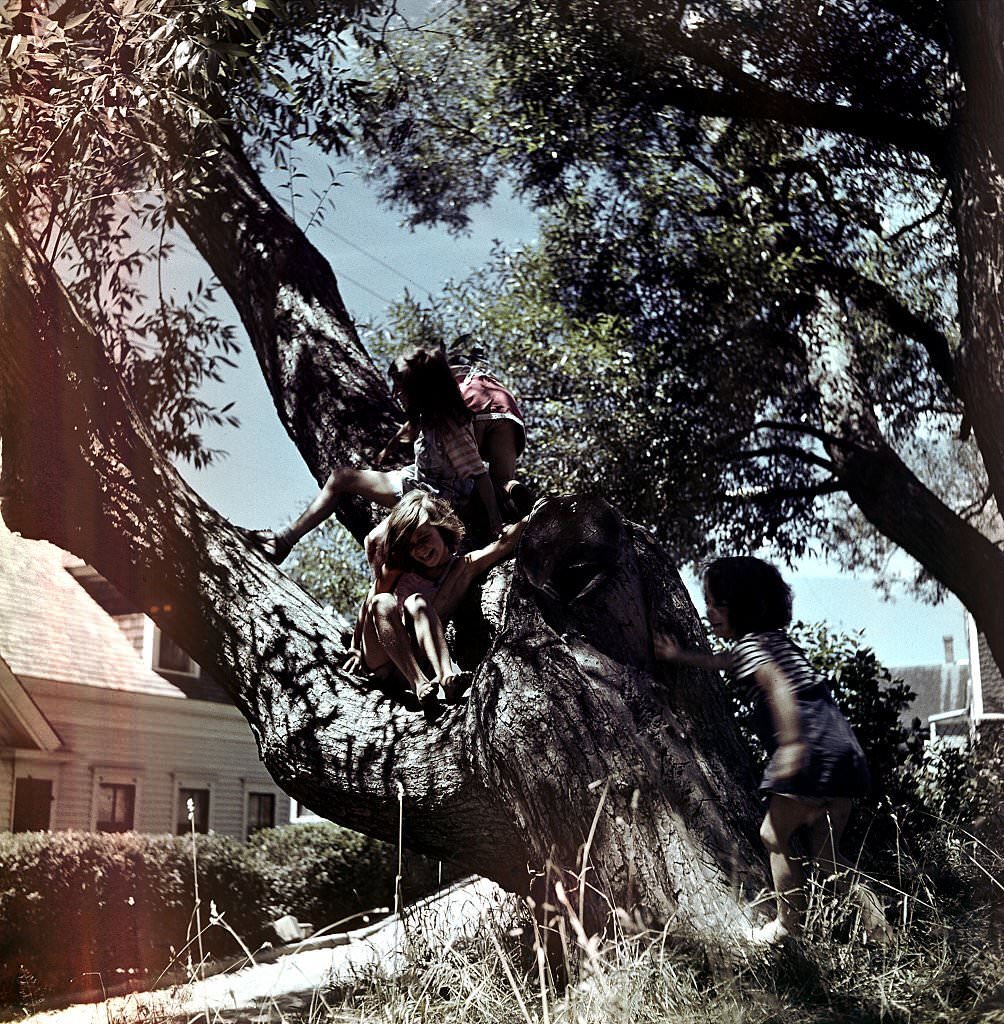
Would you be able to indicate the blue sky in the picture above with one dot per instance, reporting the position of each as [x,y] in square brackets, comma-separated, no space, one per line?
[264,483]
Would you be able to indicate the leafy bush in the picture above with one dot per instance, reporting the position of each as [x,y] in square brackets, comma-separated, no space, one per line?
[79,910]
[324,874]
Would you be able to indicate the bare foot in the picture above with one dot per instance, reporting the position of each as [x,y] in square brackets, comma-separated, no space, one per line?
[771,934]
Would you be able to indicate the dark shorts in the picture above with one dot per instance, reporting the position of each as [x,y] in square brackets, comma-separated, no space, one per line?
[835,764]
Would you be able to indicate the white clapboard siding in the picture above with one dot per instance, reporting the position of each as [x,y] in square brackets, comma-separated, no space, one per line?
[156,743]
[6,790]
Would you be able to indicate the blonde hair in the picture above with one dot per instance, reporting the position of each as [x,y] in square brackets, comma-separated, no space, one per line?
[416,509]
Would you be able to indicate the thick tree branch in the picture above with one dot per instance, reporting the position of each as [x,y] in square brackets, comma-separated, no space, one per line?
[977,199]
[772,495]
[331,399]
[888,493]
[783,426]
[869,294]
[754,99]
[977,28]
[764,104]
[787,451]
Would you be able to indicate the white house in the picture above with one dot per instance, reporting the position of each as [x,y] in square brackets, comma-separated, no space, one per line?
[105,724]
[986,702]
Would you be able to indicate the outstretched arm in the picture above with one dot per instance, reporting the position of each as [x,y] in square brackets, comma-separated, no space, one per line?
[667,649]
[473,564]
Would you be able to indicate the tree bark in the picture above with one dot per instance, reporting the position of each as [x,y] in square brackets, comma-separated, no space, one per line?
[978,201]
[566,733]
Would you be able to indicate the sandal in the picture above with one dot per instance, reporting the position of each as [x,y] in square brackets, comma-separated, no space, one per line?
[455,686]
[520,498]
[273,546]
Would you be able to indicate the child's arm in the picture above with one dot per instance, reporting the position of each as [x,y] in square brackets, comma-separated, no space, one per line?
[353,663]
[790,753]
[453,588]
[667,648]
[500,549]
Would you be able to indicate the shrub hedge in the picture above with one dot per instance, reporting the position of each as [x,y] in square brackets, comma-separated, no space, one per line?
[326,875]
[79,910]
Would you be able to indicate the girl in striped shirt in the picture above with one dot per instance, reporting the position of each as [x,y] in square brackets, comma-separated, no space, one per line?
[446,464]
[816,765]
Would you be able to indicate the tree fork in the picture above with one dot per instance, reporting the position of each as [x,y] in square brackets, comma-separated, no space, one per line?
[89,481]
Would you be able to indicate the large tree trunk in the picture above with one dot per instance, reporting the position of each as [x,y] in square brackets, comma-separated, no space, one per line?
[566,729]
[978,198]
[335,405]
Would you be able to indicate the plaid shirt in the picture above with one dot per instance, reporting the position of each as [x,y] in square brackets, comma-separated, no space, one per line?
[447,460]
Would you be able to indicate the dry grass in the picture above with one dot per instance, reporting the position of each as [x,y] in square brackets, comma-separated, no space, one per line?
[944,965]
[937,970]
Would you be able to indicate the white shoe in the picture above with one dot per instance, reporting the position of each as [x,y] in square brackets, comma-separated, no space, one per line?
[771,934]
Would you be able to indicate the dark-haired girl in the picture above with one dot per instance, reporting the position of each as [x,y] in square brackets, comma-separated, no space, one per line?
[419,579]
[447,462]
[816,765]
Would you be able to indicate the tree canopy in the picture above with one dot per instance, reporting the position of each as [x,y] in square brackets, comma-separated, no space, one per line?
[720,183]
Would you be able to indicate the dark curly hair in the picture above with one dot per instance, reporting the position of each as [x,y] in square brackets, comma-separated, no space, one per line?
[429,392]
[753,593]
[416,509]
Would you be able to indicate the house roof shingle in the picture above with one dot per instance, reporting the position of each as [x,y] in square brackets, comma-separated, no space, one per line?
[50,628]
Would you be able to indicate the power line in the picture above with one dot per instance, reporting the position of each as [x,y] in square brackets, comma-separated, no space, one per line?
[376,259]
[340,275]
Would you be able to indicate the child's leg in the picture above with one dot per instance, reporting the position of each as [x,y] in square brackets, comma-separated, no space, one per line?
[431,641]
[825,835]
[384,633]
[500,442]
[824,848]
[784,817]
[429,635]
[499,445]
[369,483]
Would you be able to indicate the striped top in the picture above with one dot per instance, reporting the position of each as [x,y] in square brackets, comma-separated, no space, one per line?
[834,765]
[755,650]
